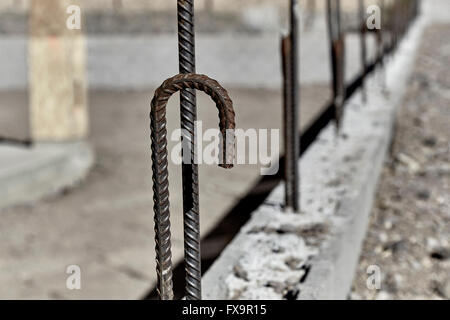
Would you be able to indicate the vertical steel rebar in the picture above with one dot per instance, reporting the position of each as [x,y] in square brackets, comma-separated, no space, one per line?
[402,12]
[340,53]
[416,8]
[380,42]
[287,120]
[391,8]
[188,115]
[381,32]
[396,21]
[337,46]
[363,29]
[160,173]
[291,88]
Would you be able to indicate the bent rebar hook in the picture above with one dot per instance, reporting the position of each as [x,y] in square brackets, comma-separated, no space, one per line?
[160,162]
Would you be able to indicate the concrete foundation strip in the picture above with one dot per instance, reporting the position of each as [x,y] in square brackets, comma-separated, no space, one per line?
[278,255]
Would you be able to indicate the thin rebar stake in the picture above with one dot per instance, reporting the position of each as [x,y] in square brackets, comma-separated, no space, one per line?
[337,46]
[362,19]
[287,120]
[396,23]
[188,115]
[158,127]
[289,47]
[380,34]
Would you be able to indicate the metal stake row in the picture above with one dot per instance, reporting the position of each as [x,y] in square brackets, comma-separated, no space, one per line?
[399,17]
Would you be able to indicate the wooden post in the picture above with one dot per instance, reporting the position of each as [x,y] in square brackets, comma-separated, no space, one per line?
[57,74]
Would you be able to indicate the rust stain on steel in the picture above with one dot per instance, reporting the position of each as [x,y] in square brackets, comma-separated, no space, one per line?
[363,29]
[337,44]
[158,128]
[188,116]
[287,123]
[291,88]
[339,83]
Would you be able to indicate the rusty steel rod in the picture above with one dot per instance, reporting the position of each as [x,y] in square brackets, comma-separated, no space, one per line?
[392,25]
[289,49]
[397,21]
[380,43]
[380,34]
[337,46]
[363,41]
[287,120]
[189,167]
[158,127]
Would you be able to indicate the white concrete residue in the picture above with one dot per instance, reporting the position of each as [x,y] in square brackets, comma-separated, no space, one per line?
[333,172]
[329,170]
[273,265]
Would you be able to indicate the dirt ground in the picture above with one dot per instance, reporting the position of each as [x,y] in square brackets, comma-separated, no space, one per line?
[409,233]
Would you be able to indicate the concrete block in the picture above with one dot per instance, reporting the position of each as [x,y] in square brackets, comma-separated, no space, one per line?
[28,174]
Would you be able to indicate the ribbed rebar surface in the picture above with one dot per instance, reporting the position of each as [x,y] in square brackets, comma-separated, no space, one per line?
[188,115]
[160,163]
[291,112]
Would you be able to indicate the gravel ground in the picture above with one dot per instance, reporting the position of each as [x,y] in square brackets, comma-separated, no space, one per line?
[409,233]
